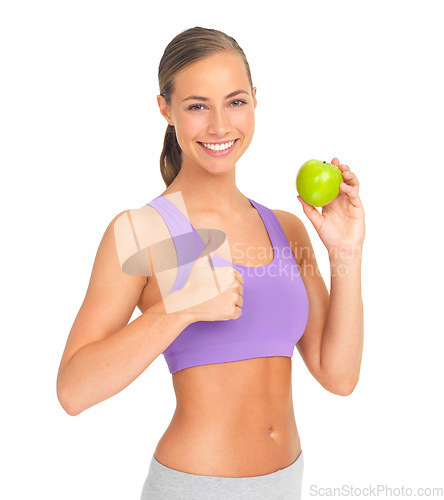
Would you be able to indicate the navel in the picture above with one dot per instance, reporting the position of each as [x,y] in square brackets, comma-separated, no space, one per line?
[270,432]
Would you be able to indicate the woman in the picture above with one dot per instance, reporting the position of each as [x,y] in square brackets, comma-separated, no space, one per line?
[233,434]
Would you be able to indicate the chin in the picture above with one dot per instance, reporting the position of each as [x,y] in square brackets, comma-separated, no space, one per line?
[219,169]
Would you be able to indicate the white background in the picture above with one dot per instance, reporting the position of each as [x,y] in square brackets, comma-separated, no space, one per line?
[81,136]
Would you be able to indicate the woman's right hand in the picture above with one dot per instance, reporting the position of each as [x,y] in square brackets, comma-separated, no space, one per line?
[210,293]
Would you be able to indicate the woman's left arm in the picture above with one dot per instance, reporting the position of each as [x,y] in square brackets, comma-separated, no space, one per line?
[341,228]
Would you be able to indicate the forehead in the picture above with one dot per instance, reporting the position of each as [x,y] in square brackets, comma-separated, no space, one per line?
[212,76]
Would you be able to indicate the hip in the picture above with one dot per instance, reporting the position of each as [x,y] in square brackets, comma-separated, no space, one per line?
[234,451]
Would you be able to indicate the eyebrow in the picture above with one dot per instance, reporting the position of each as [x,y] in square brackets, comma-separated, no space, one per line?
[200,98]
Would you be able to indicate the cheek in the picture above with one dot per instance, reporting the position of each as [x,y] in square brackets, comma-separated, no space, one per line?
[246,123]
[188,127]
[246,119]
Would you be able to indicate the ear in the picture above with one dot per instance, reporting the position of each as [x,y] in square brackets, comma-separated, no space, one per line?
[254,97]
[164,109]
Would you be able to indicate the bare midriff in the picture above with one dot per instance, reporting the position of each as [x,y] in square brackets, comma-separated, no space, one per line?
[232,419]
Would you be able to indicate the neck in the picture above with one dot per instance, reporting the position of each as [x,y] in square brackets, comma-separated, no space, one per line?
[207,191]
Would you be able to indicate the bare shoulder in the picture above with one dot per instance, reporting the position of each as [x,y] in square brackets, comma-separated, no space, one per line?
[291,221]
[144,223]
[295,232]
[135,231]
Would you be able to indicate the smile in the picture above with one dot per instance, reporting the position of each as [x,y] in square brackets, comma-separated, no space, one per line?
[218,149]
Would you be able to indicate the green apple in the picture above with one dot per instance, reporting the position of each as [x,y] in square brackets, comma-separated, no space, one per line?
[317,182]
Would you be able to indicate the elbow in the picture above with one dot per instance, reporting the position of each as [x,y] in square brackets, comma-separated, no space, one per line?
[345,389]
[71,411]
[69,408]
[66,401]
[341,388]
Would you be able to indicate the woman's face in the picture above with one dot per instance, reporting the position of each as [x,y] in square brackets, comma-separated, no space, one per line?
[217,112]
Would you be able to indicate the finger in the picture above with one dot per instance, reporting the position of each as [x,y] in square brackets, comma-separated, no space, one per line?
[346,187]
[350,178]
[343,168]
[239,277]
[335,161]
[351,192]
[234,273]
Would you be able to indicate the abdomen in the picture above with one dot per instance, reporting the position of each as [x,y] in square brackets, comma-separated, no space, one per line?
[232,419]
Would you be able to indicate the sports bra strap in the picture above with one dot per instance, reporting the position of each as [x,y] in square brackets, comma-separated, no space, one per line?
[179,227]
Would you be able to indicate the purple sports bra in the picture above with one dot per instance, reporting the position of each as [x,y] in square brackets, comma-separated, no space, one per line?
[275,302]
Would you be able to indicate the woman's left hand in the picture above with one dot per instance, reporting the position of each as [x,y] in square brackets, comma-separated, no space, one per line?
[341,225]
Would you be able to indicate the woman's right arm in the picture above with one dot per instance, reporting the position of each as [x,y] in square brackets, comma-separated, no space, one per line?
[103,353]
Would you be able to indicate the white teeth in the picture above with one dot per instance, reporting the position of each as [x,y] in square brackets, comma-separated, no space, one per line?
[218,147]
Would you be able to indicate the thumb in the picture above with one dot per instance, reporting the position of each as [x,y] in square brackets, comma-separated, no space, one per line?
[312,213]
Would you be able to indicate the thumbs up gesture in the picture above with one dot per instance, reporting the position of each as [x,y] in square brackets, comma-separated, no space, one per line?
[210,293]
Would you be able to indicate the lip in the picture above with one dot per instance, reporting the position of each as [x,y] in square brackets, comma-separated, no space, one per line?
[218,153]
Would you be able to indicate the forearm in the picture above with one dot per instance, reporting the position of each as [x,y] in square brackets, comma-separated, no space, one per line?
[343,336]
[102,369]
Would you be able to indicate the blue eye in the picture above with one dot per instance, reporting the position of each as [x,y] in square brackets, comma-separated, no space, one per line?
[237,106]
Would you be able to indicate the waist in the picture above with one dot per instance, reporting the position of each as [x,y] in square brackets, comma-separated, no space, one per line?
[229,446]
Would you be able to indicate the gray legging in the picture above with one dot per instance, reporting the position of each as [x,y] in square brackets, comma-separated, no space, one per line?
[163,483]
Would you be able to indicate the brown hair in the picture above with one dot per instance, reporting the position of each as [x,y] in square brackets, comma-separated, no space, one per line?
[184,49]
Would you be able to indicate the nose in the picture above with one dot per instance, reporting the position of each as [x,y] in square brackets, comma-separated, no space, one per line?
[219,124]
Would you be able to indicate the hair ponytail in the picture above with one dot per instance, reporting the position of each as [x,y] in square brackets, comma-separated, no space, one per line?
[171,156]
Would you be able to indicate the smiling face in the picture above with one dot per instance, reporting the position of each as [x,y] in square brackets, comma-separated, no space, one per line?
[212,104]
